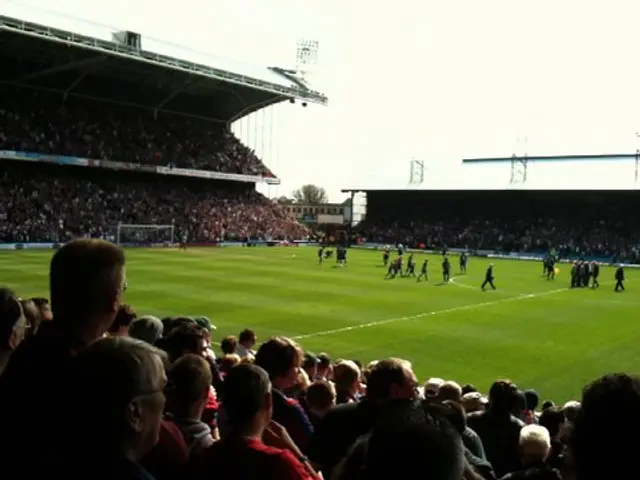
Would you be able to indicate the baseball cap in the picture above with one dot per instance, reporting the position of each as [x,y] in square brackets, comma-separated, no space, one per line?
[205,323]
[432,386]
[473,398]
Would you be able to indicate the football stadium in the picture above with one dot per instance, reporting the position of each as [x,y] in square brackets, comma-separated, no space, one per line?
[102,139]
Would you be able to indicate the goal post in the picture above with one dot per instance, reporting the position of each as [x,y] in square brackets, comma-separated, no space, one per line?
[150,234]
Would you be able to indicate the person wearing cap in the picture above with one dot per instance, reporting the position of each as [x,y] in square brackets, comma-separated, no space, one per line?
[205,324]
[474,402]
[488,278]
[432,386]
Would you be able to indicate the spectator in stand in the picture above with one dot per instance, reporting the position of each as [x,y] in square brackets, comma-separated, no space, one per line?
[206,326]
[245,453]
[33,316]
[246,341]
[339,429]
[147,328]
[553,420]
[229,345]
[432,386]
[182,340]
[498,429]
[122,323]
[324,370]
[449,390]
[125,423]
[189,382]
[346,377]
[320,398]
[86,280]
[13,325]
[105,131]
[44,307]
[603,443]
[404,445]
[228,362]
[535,446]
[473,450]
[46,203]
[310,365]
[281,359]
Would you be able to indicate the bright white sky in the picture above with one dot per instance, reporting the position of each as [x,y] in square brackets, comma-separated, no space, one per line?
[425,79]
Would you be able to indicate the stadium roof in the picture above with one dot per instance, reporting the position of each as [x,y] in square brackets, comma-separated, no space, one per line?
[553,173]
[557,158]
[48,58]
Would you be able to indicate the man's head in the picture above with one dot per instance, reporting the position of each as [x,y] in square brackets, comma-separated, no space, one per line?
[603,444]
[391,379]
[147,328]
[185,339]
[323,369]
[280,357]
[401,447]
[321,396]
[247,398]
[123,321]
[247,338]
[188,385]
[228,345]
[310,365]
[535,444]
[86,280]
[13,323]
[119,390]
[44,307]
[449,390]
[432,386]
[346,376]
[503,397]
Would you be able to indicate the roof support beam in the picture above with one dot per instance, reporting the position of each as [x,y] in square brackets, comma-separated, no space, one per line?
[62,68]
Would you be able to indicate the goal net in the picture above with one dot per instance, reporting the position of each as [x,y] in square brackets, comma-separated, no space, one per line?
[145,234]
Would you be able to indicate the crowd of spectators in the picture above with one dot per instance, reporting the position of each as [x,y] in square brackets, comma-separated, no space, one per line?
[43,203]
[43,122]
[573,223]
[90,390]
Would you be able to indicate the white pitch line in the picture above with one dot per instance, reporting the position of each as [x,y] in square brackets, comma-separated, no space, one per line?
[452,280]
[428,314]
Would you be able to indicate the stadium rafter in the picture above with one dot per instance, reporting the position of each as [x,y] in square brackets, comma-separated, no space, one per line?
[46,58]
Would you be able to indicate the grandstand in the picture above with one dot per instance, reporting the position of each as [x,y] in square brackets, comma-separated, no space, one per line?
[90,105]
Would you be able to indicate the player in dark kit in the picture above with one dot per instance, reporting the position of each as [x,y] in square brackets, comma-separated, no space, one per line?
[488,278]
[411,267]
[550,266]
[424,272]
[574,274]
[395,268]
[463,263]
[619,277]
[320,255]
[595,273]
[385,256]
[446,270]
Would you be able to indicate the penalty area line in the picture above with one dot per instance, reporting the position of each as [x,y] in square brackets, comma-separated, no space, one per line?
[418,316]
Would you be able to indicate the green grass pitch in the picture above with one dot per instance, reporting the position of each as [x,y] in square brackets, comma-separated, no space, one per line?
[536,332]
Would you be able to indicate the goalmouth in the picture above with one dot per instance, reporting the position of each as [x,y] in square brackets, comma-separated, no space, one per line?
[145,234]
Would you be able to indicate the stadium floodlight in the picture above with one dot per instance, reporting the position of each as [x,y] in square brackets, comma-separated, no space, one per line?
[145,234]
[306,55]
